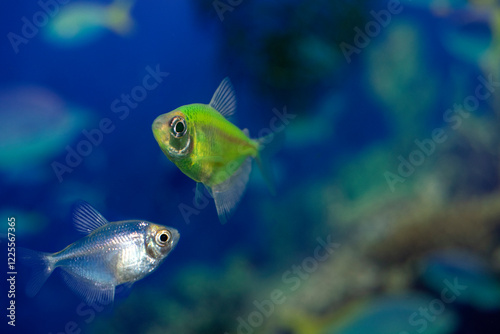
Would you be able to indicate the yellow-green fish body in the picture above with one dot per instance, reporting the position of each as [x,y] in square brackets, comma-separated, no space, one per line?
[217,146]
[208,148]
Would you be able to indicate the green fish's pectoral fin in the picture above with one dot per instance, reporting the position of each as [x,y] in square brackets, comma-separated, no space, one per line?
[228,193]
[88,290]
[40,266]
[86,218]
[224,99]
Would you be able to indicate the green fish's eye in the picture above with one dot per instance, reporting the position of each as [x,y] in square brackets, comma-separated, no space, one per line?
[162,237]
[178,126]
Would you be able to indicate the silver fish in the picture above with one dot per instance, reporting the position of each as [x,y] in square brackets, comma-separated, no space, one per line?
[112,253]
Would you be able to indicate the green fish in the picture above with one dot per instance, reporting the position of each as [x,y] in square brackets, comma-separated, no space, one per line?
[200,140]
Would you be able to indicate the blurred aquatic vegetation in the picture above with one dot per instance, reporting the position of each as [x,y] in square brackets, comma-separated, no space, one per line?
[399,73]
[35,126]
[452,202]
[470,31]
[79,23]
[468,38]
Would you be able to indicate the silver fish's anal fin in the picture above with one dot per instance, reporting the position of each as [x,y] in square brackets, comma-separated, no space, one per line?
[39,264]
[86,218]
[89,291]
[228,193]
[224,99]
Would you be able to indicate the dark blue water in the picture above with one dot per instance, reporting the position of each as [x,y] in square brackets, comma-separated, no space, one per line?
[283,56]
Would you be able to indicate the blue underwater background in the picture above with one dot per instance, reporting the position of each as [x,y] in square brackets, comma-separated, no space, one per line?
[386,218]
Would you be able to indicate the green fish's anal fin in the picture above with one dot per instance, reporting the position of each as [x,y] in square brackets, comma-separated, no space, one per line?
[224,99]
[86,218]
[88,290]
[200,189]
[228,193]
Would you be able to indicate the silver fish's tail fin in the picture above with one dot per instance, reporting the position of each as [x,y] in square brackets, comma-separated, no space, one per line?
[39,264]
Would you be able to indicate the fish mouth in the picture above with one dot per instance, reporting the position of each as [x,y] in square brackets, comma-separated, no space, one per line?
[159,125]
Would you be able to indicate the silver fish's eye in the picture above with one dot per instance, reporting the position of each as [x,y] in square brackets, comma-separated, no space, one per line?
[162,237]
[178,126]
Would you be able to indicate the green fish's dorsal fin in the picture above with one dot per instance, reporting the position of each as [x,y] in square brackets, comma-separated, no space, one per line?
[224,99]
[228,193]
[86,218]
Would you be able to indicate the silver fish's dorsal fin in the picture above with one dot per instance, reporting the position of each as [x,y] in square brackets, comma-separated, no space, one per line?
[228,193]
[86,218]
[224,99]
[89,291]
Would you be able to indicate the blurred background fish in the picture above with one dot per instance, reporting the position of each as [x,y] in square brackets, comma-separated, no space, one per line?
[82,22]
[393,152]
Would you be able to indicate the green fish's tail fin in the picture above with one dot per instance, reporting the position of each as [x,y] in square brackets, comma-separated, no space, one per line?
[268,146]
[40,265]
[266,174]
